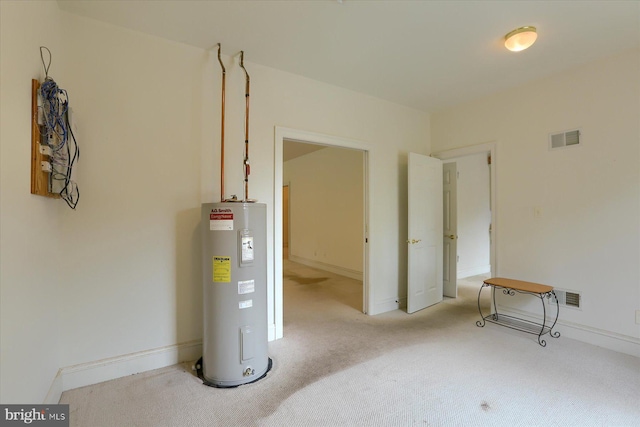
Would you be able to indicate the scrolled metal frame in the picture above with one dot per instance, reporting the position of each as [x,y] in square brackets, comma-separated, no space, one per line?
[497,318]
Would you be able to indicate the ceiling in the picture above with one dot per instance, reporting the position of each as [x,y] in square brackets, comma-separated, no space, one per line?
[427,55]
[293,149]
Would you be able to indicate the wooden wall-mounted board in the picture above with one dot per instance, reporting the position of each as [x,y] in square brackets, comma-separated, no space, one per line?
[39,178]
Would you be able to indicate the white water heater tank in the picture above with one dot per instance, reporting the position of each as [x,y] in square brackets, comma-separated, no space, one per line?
[234,256]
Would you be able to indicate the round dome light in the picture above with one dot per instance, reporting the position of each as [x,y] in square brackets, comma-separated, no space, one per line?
[520,39]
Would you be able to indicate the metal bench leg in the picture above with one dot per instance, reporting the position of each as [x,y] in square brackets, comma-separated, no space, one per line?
[480,322]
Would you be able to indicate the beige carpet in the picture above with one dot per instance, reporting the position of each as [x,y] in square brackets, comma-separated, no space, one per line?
[339,367]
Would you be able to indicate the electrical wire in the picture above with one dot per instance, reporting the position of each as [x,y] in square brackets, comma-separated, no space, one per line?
[55,104]
[46,67]
[57,129]
[70,193]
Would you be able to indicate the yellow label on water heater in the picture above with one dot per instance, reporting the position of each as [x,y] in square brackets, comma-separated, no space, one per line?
[222,269]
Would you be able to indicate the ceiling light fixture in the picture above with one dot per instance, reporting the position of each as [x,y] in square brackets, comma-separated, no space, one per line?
[520,39]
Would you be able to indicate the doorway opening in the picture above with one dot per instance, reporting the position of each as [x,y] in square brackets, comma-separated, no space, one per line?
[308,244]
[322,197]
[474,229]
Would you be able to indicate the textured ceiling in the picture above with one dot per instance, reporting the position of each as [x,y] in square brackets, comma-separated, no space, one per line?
[427,55]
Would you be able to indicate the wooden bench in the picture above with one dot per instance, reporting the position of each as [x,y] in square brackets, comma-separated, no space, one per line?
[510,287]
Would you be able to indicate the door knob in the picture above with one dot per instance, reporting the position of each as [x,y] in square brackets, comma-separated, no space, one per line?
[413,241]
[452,236]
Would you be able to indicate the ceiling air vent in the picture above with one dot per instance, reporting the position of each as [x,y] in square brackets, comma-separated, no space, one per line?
[568,138]
[567,298]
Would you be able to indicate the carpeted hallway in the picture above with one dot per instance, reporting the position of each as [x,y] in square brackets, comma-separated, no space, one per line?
[339,367]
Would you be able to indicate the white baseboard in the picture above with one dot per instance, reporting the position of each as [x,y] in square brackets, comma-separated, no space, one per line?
[342,271]
[473,271]
[120,366]
[599,337]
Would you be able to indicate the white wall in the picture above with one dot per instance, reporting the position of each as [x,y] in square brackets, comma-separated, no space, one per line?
[31,241]
[134,275]
[121,274]
[588,235]
[326,209]
[474,215]
[123,294]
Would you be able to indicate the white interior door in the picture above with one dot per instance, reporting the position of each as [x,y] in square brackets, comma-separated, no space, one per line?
[425,234]
[450,229]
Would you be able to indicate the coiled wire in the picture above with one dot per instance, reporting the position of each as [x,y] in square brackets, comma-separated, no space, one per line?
[59,137]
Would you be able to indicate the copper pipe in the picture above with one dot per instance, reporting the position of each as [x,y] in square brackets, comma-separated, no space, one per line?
[224,75]
[247,169]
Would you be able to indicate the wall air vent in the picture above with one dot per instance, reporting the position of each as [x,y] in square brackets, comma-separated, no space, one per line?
[567,298]
[570,138]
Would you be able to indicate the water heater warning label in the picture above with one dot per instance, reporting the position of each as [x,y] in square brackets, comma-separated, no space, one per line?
[246,286]
[221,219]
[245,304]
[222,269]
[247,248]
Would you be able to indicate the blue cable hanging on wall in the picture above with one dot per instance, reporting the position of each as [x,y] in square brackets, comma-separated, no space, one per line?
[57,134]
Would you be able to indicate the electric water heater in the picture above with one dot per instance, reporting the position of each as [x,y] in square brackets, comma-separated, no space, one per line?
[234,248]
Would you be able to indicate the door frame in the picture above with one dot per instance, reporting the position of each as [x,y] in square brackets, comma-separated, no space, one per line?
[282,133]
[487,147]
